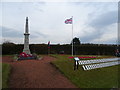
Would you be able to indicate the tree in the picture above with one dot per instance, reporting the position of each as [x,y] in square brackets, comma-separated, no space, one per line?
[76,41]
[8,42]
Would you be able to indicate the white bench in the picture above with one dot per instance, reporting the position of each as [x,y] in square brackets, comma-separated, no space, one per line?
[100,65]
[97,63]
[82,62]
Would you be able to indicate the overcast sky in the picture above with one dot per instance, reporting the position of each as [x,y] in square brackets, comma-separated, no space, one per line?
[93,22]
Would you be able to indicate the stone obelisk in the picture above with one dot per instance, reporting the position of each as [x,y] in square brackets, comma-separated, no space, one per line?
[26,38]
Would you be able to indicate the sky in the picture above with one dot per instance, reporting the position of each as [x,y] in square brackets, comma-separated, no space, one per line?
[93,22]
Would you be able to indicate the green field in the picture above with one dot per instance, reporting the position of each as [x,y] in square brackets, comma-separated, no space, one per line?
[106,77]
[5,74]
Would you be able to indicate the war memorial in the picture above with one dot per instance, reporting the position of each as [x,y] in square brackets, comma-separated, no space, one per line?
[26,54]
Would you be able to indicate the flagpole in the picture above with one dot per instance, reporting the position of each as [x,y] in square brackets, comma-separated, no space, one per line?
[72,35]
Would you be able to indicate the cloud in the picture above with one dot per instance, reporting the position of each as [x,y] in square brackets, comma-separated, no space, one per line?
[104,20]
[10,32]
[107,35]
[89,34]
[101,28]
[39,6]
[35,34]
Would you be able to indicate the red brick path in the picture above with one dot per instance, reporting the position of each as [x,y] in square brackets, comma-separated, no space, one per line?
[36,74]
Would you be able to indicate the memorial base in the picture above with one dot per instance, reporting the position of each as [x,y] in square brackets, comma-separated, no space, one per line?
[27,58]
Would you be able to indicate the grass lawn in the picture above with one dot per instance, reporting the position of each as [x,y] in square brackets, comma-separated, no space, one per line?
[106,77]
[5,74]
[0,75]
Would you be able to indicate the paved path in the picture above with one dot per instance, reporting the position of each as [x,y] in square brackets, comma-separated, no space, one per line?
[36,74]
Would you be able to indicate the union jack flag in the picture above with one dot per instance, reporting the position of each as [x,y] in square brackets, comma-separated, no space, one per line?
[68,21]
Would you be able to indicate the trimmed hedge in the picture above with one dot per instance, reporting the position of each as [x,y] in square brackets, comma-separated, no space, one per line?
[82,49]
